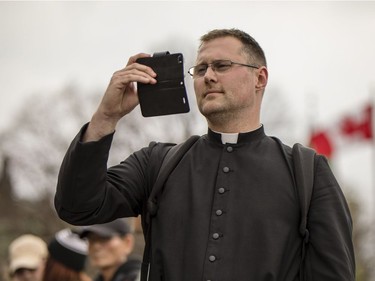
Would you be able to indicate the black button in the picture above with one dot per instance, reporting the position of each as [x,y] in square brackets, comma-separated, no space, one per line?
[221,190]
[229,149]
[212,258]
[216,236]
[219,212]
[226,169]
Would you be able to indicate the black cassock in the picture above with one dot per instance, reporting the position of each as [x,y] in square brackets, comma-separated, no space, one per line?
[228,212]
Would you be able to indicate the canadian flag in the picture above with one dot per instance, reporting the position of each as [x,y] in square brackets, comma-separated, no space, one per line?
[321,141]
[358,127]
[354,127]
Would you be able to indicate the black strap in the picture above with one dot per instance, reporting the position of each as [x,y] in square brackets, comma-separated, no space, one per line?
[160,54]
[302,168]
[170,161]
[303,160]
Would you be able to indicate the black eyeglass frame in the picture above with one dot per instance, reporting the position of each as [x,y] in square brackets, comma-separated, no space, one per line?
[214,68]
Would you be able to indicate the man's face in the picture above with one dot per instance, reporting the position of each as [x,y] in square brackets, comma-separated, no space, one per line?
[109,252]
[24,274]
[231,92]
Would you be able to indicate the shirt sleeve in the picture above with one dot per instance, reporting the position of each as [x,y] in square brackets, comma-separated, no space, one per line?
[330,254]
[87,192]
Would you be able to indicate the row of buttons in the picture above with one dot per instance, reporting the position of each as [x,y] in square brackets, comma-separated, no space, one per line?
[219,212]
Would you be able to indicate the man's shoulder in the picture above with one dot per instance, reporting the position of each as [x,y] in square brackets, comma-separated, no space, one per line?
[131,264]
[287,149]
[128,271]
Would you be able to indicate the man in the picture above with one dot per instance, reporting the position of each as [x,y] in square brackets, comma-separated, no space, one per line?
[27,257]
[110,245]
[229,209]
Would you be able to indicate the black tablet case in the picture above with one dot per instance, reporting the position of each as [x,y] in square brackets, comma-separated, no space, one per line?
[168,95]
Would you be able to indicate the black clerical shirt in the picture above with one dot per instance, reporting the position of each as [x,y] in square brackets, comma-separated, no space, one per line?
[228,212]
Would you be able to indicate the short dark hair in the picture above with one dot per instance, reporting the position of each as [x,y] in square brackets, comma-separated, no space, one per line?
[250,45]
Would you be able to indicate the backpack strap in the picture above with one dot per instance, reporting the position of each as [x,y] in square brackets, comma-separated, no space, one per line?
[302,167]
[303,159]
[303,163]
[170,161]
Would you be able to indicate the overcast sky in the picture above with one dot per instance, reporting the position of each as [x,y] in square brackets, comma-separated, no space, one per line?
[320,54]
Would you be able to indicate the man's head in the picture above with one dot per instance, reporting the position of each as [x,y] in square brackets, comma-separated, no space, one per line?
[109,244]
[229,94]
[250,47]
[27,257]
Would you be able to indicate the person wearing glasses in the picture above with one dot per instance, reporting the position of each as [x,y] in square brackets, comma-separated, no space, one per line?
[228,211]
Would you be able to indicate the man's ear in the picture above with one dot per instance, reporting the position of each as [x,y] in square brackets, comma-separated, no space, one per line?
[262,78]
[129,242]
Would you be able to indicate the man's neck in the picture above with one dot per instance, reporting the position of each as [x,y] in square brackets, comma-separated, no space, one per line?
[108,273]
[233,123]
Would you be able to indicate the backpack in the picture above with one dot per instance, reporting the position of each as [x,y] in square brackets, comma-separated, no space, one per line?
[303,173]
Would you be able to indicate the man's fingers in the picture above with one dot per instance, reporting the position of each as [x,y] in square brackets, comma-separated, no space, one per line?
[134,58]
[133,64]
[136,73]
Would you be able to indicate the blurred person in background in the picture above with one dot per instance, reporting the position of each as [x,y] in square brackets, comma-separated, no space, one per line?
[67,258]
[27,256]
[110,245]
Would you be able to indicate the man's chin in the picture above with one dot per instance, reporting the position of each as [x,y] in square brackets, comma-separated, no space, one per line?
[210,107]
[211,113]
[102,265]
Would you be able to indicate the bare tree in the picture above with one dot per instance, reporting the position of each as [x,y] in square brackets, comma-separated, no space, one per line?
[37,140]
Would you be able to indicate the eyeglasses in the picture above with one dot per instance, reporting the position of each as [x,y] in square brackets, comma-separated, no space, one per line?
[219,66]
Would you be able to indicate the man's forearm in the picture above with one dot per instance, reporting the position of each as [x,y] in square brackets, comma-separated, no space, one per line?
[81,179]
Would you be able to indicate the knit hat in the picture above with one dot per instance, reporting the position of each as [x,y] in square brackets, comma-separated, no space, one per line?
[27,251]
[67,248]
[107,230]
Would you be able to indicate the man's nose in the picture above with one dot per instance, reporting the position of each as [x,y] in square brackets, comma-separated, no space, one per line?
[210,74]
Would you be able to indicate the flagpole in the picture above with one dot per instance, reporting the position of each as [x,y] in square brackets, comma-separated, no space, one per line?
[372,103]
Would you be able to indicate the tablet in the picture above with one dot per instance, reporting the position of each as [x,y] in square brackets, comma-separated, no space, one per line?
[168,95]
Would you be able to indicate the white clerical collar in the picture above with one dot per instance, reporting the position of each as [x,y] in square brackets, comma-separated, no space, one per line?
[229,138]
[232,137]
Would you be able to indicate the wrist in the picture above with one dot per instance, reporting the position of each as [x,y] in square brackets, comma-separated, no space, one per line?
[99,127]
